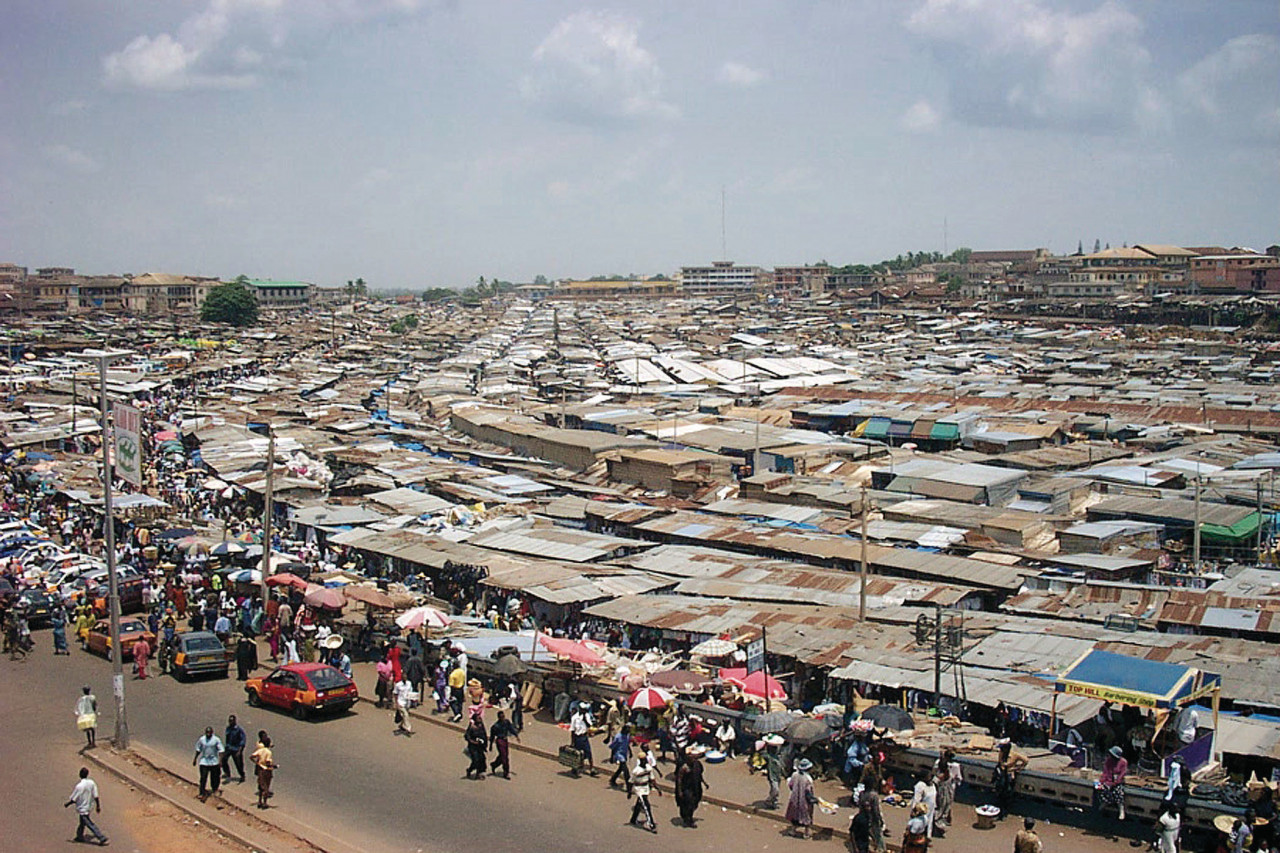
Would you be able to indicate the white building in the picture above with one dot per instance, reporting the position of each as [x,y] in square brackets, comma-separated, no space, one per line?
[722,278]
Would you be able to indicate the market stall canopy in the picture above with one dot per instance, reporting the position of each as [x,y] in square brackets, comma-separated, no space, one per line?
[889,717]
[1111,677]
[573,650]
[649,698]
[229,548]
[756,683]
[806,731]
[286,579]
[369,595]
[680,680]
[510,666]
[714,648]
[323,596]
[774,721]
[424,616]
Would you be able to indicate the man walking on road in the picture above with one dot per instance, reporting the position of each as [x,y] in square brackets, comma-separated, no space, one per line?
[209,757]
[234,741]
[641,782]
[84,796]
[501,733]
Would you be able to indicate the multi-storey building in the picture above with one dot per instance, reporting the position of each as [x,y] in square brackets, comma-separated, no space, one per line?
[723,278]
[288,295]
[648,288]
[1235,273]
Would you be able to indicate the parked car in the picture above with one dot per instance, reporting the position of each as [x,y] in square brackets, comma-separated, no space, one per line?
[95,586]
[301,688]
[98,640]
[39,605]
[198,653]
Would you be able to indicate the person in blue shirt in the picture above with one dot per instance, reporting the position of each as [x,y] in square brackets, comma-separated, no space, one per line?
[855,759]
[620,754]
[234,741]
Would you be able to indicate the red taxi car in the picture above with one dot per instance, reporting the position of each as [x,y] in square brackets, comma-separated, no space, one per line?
[301,688]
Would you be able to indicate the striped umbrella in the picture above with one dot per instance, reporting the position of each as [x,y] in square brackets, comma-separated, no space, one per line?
[649,698]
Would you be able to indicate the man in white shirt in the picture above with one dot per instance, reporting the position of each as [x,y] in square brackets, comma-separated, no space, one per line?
[208,755]
[84,796]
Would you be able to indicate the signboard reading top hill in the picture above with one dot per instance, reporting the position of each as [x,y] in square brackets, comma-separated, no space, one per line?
[128,443]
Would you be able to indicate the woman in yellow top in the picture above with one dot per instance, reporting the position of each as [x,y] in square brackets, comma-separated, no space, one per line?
[264,767]
[84,622]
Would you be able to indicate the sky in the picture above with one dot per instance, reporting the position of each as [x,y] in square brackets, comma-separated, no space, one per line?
[422,144]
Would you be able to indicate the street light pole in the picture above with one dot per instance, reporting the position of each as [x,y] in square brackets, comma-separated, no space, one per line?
[103,358]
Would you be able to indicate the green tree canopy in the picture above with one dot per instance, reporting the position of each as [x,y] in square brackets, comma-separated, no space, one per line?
[232,303]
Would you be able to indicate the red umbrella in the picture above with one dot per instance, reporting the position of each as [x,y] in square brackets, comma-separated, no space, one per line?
[755,684]
[286,579]
[574,651]
[649,698]
[165,435]
[323,596]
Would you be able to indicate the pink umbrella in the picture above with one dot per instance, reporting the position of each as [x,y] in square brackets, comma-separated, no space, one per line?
[323,596]
[755,684]
[649,698]
[165,435]
[418,617]
[574,651]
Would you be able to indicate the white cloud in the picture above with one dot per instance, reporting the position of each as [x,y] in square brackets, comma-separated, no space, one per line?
[737,74]
[200,53]
[592,68]
[67,108]
[1236,85]
[1022,63]
[922,117]
[71,158]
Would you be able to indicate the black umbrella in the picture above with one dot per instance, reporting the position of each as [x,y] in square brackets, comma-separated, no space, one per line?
[510,666]
[889,717]
[767,724]
[806,731]
[176,533]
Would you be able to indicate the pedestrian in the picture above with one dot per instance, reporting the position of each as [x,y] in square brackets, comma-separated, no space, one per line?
[246,658]
[457,686]
[915,838]
[385,686]
[208,757]
[1111,782]
[870,803]
[1026,841]
[679,731]
[141,654]
[58,621]
[579,738]
[772,768]
[690,781]
[87,717]
[415,671]
[233,739]
[1168,828]
[620,754]
[860,829]
[926,793]
[802,799]
[501,733]
[264,764]
[1241,836]
[477,746]
[1005,778]
[403,699]
[84,796]
[615,718]
[641,784]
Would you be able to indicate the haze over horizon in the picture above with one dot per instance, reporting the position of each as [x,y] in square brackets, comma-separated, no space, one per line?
[420,144]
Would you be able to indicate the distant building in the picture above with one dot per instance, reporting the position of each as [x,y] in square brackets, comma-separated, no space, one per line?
[1008,256]
[165,294]
[286,295]
[13,279]
[1235,273]
[645,288]
[723,278]
[808,280]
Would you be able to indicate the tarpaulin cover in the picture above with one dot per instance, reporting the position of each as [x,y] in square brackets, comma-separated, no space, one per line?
[1110,677]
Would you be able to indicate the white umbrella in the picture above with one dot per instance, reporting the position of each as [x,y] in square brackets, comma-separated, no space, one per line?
[714,648]
[418,617]
[213,484]
[246,576]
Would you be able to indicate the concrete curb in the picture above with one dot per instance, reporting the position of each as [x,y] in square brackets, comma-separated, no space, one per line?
[236,834]
[666,788]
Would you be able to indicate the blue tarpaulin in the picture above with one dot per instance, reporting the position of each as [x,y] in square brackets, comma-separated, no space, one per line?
[1111,677]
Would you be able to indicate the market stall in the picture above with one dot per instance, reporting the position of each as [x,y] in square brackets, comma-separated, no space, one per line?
[1164,689]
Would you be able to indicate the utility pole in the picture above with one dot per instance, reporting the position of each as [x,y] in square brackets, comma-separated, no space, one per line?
[102,358]
[267,513]
[937,657]
[1195,533]
[862,581]
[1258,549]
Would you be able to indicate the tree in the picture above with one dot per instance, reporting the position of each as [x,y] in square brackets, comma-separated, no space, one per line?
[232,303]
[540,280]
[1097,245]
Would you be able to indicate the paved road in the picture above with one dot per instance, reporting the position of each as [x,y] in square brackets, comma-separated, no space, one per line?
[353,778]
